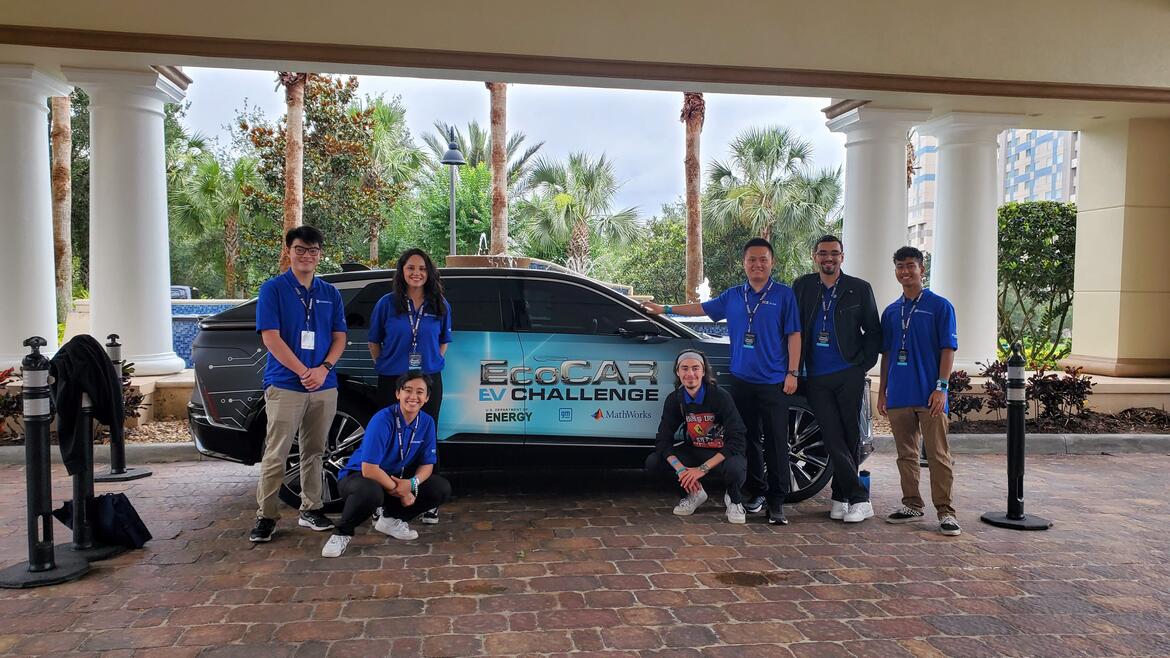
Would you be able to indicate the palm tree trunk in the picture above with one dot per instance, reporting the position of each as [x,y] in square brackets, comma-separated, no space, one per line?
[231,253]
[62,154]
[294,155]
[578,253]
[499,118]
[693,113]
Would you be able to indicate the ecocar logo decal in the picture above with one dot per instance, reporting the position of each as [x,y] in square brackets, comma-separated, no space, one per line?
[572,380]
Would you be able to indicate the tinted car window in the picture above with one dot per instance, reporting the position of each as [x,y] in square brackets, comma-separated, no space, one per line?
[566,308]
[359,309]
[475,303]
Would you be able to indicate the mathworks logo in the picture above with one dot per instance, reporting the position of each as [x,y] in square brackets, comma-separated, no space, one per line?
[621,414]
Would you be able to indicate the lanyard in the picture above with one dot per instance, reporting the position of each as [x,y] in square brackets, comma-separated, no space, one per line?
[751,311]
[906,318]
[309,304]
[415,320]
[825,307]
[398,431]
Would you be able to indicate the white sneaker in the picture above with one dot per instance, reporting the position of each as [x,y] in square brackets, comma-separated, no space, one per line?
[690,503]
[396,528]
[335,546]
[736,513]
[726,499]
[838,510]
[858,512]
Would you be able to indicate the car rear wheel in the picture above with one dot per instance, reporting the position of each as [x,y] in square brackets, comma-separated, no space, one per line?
[345,435]
[807,455]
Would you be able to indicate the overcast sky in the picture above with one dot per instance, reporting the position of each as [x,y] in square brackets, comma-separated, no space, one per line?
[638,130]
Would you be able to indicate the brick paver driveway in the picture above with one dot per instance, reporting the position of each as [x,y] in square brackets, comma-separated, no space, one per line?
[595,562]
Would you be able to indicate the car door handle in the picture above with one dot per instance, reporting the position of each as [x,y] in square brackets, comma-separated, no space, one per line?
[549,357]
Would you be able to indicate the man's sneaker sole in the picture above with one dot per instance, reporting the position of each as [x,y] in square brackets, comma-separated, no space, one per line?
[304,523]
[912,519]
[260,540]
[429,520]
[951,533]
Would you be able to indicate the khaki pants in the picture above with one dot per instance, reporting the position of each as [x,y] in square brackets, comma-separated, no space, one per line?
[288,412]
[908,424]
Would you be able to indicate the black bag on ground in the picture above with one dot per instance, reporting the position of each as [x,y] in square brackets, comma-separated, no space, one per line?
[113,518]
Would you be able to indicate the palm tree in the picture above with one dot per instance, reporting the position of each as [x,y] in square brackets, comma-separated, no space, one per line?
[294,153]
[693,112]
[394,163]
[499,158]
[573,202]
[211,202]
[62,151]
[769,186]
[476,148]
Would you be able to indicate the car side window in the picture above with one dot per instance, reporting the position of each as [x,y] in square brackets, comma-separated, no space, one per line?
[360,308]
[567,308]
[475,303]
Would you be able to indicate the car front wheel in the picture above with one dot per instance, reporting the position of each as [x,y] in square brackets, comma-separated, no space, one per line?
[808,458]
[345,435]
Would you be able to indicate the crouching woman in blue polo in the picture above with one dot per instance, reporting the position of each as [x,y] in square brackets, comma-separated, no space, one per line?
[393,468]
[701,434]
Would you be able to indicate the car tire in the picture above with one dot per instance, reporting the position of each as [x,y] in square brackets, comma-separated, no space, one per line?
[345,435]
[808,458]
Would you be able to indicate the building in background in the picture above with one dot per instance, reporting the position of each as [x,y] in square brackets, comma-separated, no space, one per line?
[1034,165]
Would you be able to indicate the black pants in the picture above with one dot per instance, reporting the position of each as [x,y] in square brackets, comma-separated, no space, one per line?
[363,495]
[732,471]
[836,402]
[386,385]
[764,408]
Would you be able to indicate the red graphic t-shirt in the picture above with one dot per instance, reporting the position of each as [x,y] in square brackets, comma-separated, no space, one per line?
[703,431]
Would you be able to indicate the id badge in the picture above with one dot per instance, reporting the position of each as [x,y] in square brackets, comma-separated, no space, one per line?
[414,361]
[308,340]
[823,339]
[749,340]
[903,358]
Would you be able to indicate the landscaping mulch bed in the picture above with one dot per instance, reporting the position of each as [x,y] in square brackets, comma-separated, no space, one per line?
[169,430]
[1141,420]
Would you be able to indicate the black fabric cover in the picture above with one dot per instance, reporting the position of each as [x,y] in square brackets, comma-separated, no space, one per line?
[113,519]
[82,366]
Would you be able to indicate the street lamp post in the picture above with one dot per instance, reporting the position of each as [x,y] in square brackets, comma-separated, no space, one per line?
[454,158]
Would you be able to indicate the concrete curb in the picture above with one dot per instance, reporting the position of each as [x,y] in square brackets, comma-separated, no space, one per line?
[1051,444]
[136,453]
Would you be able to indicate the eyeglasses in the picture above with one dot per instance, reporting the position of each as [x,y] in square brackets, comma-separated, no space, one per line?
[824,254]
[312,251]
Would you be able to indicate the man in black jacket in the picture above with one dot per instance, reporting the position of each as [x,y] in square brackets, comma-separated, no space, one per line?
[842,341]
[702,419]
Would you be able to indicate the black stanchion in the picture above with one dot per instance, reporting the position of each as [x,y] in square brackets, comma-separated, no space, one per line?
[118,471]
[1015,518]
[83,543]
[43,567]
[923,462]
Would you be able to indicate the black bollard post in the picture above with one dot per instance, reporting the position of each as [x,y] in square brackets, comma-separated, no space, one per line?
[118,471]
[83,544]
[42,567]
[1017,404]
[923,462]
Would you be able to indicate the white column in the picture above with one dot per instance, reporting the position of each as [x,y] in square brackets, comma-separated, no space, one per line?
[875,193]
[27,289]
[129,248]
[966,253]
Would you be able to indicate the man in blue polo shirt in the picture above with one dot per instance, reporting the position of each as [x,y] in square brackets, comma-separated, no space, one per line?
[763,325]
[301,320]
[919,339]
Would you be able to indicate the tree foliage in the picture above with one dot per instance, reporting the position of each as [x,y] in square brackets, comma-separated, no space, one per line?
[1037,241]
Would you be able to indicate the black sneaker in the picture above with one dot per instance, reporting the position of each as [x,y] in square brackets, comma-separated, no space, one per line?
[430,516]
[949,526]
[754,506]
[905,515]
[776,516]
[314,519]
[263,530]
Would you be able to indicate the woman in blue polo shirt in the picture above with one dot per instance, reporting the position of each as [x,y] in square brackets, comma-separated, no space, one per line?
[393,468]
[410,330]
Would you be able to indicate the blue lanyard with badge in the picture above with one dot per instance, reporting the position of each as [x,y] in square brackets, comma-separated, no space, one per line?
[308,335]
[749,337]
[823,334]
[414,361]
[903,355]
[398,431]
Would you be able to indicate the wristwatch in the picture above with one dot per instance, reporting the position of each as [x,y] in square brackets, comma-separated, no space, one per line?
[704,467]
[941,385]
[328,366]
